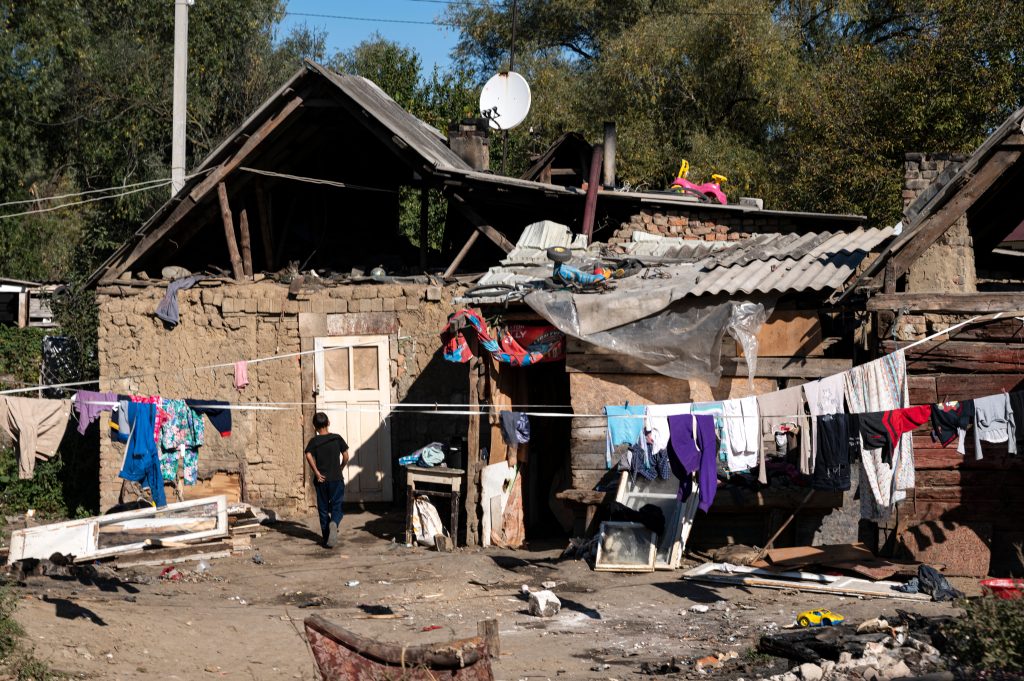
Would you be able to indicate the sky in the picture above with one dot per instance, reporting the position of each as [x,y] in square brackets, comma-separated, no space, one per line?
[433,43]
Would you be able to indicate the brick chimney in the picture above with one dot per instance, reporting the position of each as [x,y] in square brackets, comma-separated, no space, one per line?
[469,139]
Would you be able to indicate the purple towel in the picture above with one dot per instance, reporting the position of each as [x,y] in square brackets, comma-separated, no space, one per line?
[696,454]
[87,410]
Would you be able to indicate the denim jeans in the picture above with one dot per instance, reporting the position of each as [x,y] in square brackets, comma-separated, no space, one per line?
[329,496]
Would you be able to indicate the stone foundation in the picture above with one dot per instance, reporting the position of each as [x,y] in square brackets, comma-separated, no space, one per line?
[222,322]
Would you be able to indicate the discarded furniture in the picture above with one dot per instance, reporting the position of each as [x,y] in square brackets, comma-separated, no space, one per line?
[343,656]
[625,547]
[679,515]
[126,532]
[585,504]
[450,477]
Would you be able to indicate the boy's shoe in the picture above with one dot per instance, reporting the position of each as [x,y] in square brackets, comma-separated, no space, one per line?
[332,536]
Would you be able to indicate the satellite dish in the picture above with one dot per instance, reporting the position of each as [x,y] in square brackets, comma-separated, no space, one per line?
[505,100]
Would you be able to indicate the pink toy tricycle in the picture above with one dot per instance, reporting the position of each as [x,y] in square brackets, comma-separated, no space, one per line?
[707,192]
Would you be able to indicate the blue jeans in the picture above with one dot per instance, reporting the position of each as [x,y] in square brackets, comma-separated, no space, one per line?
[329,496]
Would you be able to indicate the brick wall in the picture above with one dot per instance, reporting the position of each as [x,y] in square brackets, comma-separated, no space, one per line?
[696,225]
[225,321]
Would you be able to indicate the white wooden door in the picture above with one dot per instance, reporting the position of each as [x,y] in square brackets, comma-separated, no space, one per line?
[354,389]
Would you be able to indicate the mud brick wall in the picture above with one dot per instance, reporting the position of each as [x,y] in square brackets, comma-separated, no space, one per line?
[697,225]
[225,321]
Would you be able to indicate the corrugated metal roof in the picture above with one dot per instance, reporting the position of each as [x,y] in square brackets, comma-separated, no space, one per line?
[764,263]
[531,248]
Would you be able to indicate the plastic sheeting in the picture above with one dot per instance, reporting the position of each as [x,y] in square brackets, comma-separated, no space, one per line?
[682,339]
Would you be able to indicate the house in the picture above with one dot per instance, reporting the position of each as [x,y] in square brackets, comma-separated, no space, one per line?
[26,303]
[948,266]
[296,220]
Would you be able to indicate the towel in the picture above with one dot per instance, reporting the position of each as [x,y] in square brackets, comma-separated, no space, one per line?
[824,396]
[241,374]
[625,426]
[742,433]
[656,423]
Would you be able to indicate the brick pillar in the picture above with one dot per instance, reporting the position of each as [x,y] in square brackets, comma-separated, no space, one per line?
[948,264]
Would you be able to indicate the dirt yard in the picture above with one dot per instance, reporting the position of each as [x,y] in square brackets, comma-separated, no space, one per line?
[243,620]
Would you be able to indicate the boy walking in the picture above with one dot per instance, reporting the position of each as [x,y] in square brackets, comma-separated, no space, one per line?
[327,454]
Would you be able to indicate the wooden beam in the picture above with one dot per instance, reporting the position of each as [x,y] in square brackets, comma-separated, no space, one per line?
[263,208]
[243,229]
[950,303]
[473,456]
[481,225]
[935,225]
[229,232]
[962,356]
[118,268]
[261,133]
[461,254]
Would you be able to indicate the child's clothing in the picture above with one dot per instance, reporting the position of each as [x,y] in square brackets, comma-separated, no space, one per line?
[330,494]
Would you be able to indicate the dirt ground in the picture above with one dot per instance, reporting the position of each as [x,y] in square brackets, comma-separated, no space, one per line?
[243,620]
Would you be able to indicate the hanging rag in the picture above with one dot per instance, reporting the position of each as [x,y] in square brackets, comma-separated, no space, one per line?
[515,428]
[647,463]
[167,310]
[141,459]
[88,406]
[881,385]
[37,426]
[882,429]
[838,444]
[993,422]
[951,420]
[695,447]
[119,420]
[241,375]
[624,427]
[777,411]
[656,422]
[824,396]
[742,433]
[217,411]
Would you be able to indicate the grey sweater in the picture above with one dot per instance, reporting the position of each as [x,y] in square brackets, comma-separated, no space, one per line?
[993,422]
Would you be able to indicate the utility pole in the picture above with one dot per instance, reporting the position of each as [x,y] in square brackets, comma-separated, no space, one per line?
[178,104]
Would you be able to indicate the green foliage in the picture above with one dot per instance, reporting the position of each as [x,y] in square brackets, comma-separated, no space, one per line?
[14,658]
[44,492]
[20,354]
[810,105]
[10,630]
[990,635]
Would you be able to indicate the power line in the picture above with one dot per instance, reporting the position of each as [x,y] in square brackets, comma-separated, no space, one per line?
[372,19]
[76,194]
[163,183]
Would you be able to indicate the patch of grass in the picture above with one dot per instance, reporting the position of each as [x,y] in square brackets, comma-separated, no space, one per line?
[990,635]
[755,656]
[15,659]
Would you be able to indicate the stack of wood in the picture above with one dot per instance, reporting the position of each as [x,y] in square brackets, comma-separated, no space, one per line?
[245,523]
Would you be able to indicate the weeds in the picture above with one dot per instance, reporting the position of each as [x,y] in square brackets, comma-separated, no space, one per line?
[20,663]
[990,635]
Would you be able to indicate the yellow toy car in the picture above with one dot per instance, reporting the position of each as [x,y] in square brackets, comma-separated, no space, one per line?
[819,618]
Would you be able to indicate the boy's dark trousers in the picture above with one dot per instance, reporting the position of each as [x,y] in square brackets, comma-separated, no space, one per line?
[329,496]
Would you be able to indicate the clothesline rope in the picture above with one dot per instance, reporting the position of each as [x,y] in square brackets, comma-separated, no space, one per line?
[244,406]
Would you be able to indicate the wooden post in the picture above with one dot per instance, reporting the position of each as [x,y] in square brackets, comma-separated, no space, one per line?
[473,456]
[265,231]
[24,303]
[608,176]
[243,228]
[229,231]
[461,255]
[590,207]
[424,225]
[488,631]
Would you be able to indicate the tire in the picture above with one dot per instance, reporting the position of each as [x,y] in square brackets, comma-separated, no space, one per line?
[804,622]
[559,254]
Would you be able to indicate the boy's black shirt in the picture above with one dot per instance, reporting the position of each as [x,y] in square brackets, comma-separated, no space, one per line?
[326,451]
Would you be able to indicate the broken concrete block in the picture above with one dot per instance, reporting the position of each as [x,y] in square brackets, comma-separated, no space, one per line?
[544,603]
[699,608]
[810,672]
[898,670]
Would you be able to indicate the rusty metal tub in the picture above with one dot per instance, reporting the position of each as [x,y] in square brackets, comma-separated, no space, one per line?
[344,656]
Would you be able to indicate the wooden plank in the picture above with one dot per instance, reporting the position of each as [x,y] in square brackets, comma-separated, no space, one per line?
[261,133]
[936,224]
[967,478]
[789,333]
[460,256]
[587,459]
[970,386]
[995,458]
[1004,514]
[966,356]
[921,389]
[473,464]
[998,330]
[481,225]
[229,232]
[243,230]
[767,367]
[949,303]
[586,479]
[121,265]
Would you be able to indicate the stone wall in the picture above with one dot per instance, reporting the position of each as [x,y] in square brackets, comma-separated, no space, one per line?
[222,322]
[948,264]
[697,225]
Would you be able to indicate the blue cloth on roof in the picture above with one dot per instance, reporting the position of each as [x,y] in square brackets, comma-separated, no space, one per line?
[625,426]
[141,459]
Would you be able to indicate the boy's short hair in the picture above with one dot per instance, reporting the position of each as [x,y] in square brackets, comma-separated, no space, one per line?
[320,420]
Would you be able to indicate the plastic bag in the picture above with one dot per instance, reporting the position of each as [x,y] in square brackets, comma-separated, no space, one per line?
[426,523]
[744,324]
